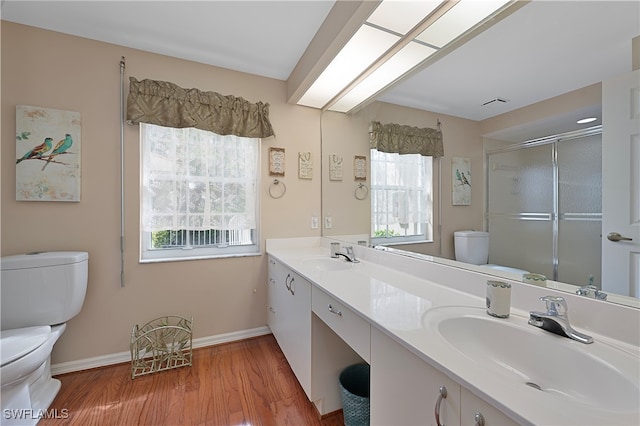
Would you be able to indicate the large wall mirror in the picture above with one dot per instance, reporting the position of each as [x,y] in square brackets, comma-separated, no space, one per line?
[536,88]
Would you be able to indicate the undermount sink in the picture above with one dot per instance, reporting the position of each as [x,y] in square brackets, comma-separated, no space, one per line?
[597,374]
[327,264]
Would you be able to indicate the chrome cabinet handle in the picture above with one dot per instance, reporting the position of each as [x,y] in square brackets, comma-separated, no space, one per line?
[289,283]
[286,282]
[271,261]
[479,419]
[333,311]
[272,310]
[272,281]
[443,394]
[615,237]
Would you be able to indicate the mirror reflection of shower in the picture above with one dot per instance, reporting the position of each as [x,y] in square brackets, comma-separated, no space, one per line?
[544,206]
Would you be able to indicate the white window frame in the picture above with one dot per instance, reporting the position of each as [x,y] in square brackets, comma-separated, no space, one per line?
[190,251]
[381,159]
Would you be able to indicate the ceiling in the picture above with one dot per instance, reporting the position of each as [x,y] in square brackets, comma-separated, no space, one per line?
[543,49]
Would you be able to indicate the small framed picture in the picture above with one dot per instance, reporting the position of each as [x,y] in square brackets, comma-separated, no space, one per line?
[335,167]
[461,181]
[48,154]
[360,168]
[305,165]
[276,162]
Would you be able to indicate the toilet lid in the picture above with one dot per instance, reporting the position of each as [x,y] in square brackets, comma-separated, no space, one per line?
[18,342]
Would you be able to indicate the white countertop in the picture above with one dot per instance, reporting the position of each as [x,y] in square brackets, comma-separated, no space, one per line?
[395,302]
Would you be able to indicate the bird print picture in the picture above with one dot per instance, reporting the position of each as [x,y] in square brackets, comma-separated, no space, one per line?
[47,154]
[461,181]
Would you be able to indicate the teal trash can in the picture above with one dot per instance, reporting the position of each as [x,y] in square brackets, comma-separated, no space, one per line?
[354,387]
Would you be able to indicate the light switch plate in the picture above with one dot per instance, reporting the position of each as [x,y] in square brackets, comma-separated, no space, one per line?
[328,222]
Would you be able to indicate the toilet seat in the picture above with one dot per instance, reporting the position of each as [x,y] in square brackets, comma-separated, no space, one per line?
[16,343]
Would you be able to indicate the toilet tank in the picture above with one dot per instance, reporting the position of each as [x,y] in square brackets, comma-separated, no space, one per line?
[44,288]
[471,247]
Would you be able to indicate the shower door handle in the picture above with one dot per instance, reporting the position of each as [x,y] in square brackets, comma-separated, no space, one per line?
[615,237]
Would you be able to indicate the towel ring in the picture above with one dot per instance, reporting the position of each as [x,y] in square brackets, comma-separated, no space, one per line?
[277,183]
[361,191]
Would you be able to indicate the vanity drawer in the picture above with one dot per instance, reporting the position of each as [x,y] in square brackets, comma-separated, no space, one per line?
[351,328]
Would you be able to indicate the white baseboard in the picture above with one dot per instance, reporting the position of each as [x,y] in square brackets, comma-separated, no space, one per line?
[120,357]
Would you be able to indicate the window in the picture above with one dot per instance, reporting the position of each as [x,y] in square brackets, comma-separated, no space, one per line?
[199,194]
[401,198]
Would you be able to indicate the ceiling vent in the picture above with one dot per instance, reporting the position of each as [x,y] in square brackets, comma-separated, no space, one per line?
[493,101]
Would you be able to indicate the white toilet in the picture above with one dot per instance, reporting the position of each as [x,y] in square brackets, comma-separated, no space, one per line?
[473,247]
[40,292]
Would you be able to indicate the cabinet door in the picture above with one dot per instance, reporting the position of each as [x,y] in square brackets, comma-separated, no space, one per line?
[404,388]
[471,406]
[294,323]
[275,276]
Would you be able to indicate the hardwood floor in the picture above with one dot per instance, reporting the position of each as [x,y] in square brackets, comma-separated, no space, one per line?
[240,383]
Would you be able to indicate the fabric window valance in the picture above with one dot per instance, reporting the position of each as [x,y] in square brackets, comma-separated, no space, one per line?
[401,139]
[166,104]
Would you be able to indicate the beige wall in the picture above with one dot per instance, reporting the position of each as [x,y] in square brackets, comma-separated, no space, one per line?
[53,70]
[345,136]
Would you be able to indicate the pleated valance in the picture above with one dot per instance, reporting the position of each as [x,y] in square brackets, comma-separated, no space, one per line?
[166,104]
[401,139]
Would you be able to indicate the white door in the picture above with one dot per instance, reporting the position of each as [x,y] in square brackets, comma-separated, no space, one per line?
[621,185]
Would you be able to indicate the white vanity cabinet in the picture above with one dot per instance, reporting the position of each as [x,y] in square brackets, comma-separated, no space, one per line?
[289,318]
[405,389]
[328,314]
[320,335]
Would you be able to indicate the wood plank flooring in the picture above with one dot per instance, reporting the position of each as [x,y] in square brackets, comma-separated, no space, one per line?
[241,383]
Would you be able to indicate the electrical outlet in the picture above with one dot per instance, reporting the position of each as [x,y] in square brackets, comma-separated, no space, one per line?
[314,222]
[328,222]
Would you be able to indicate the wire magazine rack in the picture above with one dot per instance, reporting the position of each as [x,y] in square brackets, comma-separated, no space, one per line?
[161,344]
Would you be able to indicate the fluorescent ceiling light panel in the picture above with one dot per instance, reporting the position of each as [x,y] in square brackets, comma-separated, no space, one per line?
[460,18]
[364,48]
[362,57]
[401,16]
[403,61]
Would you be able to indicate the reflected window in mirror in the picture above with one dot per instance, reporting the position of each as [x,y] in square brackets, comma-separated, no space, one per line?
[401,198]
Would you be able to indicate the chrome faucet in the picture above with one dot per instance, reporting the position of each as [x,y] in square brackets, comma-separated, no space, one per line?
[592,291]
[556,320]
[347,253]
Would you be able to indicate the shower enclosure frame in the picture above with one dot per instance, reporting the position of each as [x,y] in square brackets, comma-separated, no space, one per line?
[555,216]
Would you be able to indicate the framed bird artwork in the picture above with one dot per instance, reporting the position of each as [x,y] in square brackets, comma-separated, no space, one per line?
[461,181]
[47,154]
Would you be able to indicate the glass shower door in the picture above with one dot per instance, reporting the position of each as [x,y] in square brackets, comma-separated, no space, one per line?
[520,209]
[580,210]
